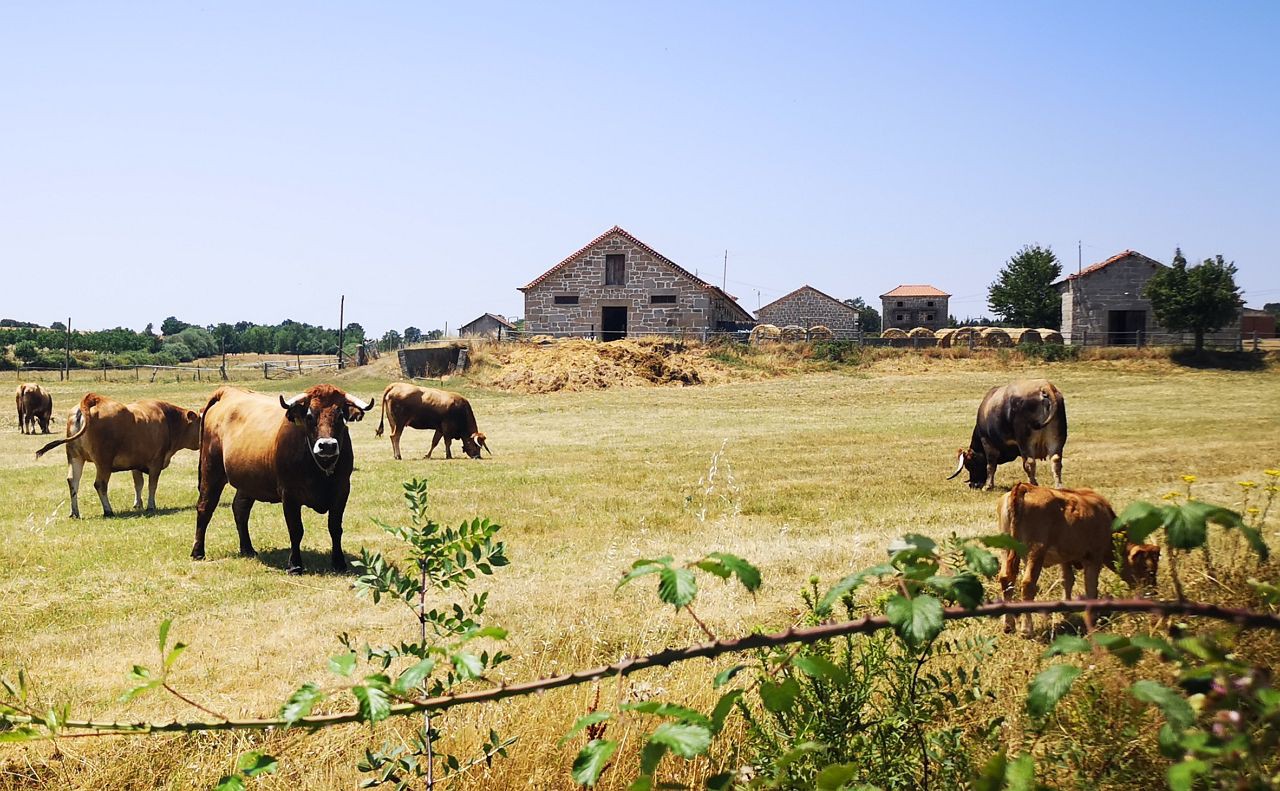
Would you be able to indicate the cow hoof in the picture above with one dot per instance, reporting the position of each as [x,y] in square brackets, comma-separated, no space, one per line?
[294,571]
[197,554]
[248,553]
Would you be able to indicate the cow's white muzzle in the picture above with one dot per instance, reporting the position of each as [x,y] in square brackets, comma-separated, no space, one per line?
[325,447]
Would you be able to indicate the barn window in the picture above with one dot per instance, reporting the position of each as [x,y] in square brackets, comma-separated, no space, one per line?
[899,317]
[928,317]
[899,304]
[566,299]
[929,304]
[662,299]
[615,269]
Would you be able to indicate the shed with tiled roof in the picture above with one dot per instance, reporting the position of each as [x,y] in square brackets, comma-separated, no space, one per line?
[616,285]
[808,307]
[909,306]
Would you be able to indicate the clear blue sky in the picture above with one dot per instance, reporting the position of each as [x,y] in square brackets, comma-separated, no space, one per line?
[248,160]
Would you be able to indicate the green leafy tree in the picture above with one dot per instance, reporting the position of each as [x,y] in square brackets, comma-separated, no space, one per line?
[1197,299]
[412,334]
[26,351]
[57,325]
[391,340]
[868,317]
[171,326]
[1023,292]
[434,335]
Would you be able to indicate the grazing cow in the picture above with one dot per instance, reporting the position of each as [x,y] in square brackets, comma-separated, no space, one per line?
[140,437]
[294,452]
[1070,528]
[1027,419]
[35,406]
[410,406]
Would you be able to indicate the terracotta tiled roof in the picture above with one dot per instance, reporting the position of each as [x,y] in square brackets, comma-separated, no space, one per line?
[617,229]
[915,291]
[805,288]
[1089,270]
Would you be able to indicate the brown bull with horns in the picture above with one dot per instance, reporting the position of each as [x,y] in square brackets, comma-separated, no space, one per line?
[1026,419]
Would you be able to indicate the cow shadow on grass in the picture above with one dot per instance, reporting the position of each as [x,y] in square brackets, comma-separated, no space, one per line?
[133,514]
[314,562]
[1219,360]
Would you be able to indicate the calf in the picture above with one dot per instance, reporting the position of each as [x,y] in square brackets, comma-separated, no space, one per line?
[35,407]
[1070,528]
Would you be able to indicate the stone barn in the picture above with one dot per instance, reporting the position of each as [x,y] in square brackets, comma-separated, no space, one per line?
[808,307]
[490,325]
[616,285]
[907,307]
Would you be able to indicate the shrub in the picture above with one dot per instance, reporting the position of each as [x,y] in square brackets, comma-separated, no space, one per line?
[1051,352]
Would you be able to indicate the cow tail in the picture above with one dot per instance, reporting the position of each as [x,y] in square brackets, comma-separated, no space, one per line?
[1012,507]
[81,425]
[213,399]
[383,419]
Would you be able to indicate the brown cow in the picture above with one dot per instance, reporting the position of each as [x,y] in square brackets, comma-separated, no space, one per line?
[410,406]
[1070,528]
[1027,419]
[35,406]
[141,437]
[294,452]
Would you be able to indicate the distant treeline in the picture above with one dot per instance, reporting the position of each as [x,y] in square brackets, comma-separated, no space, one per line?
[177,342]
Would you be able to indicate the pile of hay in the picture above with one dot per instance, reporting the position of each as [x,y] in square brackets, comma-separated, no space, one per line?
[920,332]
[1050,336]
[995,338]
[793,332]
[765,333]
[961,336]
[1023,335]
[893,333]
[944,336]
[577,364]
[819,332]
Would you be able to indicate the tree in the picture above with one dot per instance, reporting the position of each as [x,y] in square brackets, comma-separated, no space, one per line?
[434,335]
[1023,292]
[412,334]
[26,351]
[868,317]
[57,325]
[1272,307]
[1198,299]
[391,340]
[171,326]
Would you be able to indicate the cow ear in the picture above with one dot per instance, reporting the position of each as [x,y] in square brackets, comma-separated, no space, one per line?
[354,413]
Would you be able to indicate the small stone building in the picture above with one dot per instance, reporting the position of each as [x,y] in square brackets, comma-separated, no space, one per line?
[1257,323]
[910,306]
[490,325]
[1103,304]
[617,285]
[808,307]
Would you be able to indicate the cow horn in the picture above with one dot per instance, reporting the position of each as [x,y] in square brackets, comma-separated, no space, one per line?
[292,401]
[356,403]
[959,465]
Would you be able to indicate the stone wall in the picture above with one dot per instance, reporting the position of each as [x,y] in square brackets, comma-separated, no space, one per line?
[907,313]
[809,307]
[695,307]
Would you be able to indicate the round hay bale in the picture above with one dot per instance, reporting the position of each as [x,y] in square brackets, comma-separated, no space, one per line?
[1050,336]
[893,333]
[1024,335]
[764,333]
[543,339]
[920,332]
[793,332]
[961,336]
[820,332]
[995,337]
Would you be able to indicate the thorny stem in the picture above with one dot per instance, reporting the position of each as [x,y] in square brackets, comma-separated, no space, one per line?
[699,622]
[1243,618]
[191,702]
[422,635]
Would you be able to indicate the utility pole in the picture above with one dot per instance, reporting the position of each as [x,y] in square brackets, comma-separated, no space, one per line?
[724,279]
[342,303]
[1079,256]
[66,362]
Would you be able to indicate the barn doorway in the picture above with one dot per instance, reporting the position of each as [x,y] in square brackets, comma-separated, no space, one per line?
[613,323]
[1124,327]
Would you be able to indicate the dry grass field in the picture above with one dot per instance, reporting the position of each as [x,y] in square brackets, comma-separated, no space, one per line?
[818,473]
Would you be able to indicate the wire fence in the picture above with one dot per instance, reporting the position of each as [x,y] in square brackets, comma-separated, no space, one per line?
[266,369]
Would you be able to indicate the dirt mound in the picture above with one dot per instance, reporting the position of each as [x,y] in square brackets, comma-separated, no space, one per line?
[577,364]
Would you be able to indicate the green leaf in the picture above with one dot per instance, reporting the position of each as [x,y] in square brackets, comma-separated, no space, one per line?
[746,573]
[820,667]
[991,777]
[917,620]
[643,567]
[1139,520]
[851,583]
[660,709]
[779,697]
[726,675]
[143,682]
[1255,541]
[1177,711]
[1048,687]
[173,655]
[229,783]
[414,675]
[256,763]
[722,709]
[584,722]
[721,782]
[676,586]
[1002,541]
[592,760]
[651,756]
[467,666]
[1148,643]
[1021,774]
[164,634]
[374,703]
[300,703]
[835,776]
[1183,529]
[912,545]
[22,733]
[1182,776]
[1067,644]
[685,739]
[980,561]
[343,664]
[964,588]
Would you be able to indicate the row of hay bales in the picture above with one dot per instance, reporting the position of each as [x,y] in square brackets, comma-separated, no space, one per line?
[771,333]
[990,337]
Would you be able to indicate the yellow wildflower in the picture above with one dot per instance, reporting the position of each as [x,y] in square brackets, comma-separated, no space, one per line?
[1246,484]
[1272,473]
[1172,495]
[1189,478]
[1253,510]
